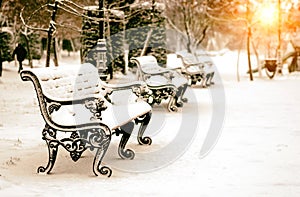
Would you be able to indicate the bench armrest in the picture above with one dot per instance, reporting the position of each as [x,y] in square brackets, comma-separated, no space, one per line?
[158,72]
[124,86]
[200,65]
[168,85]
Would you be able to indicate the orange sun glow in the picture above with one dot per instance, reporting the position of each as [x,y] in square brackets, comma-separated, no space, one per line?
[268,14]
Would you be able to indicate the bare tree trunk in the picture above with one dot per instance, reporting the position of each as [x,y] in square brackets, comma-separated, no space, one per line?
[28,51]
[50,32]
[108,44]
[55,52]
[248,53]
[59,47]
[248,41]
[147,41]
[188,44]
[49,40]
[202,36]
[279,52]
[187,30]
[72,45]
[0,61]
[15,38]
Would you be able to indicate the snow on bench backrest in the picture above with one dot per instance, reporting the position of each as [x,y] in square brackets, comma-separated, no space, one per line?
[148,64]
[189,59]
[69,82]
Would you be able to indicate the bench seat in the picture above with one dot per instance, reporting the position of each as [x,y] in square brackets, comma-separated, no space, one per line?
[114,116]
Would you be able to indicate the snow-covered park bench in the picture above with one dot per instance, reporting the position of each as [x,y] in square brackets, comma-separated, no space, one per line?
[197,71]
[163,83]
[79,115]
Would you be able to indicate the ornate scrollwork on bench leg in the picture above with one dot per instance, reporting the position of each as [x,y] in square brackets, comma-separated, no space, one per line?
[99,139]
[172,104]
[195,78]
[53,106]
[49,135]
[96,106]
[76,146]
[95,138]
[126,131]
[144,121]
[161,94]
[157,94]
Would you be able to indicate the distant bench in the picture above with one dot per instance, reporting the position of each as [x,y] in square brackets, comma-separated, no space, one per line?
[76,108]
[164,84]
[196,70]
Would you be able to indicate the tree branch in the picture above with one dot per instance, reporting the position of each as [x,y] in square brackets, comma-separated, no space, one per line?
[173,26]
[199,41]
[30,27]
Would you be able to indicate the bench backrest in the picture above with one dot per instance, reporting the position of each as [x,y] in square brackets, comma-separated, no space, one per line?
[57,86]
[189,59]
[147,64]
[70,82]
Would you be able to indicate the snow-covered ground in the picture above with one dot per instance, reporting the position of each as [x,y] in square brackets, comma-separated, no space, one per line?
[257,153]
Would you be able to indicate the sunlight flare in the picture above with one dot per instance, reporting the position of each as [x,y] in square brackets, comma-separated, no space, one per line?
[268,14]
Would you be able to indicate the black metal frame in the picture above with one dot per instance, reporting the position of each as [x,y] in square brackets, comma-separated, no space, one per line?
[95,136]
[270,67]
[99,135]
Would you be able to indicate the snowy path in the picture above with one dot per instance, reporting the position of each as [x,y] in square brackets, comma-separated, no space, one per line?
[258,152]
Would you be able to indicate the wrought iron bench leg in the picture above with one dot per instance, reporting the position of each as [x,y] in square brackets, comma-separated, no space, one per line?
[193,79]
[100,152]
[181,93]
[172,104]
[126,130]
[203,82]
[144,121]
[52,144]
[95,139]
[99,139]
[179,100]
[211,78]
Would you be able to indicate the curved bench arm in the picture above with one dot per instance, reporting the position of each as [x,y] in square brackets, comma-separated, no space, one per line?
[155,71]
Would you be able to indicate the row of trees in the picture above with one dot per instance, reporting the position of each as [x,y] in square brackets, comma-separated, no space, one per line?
[209,23]
[202,19]
[36,13]
[262,27]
